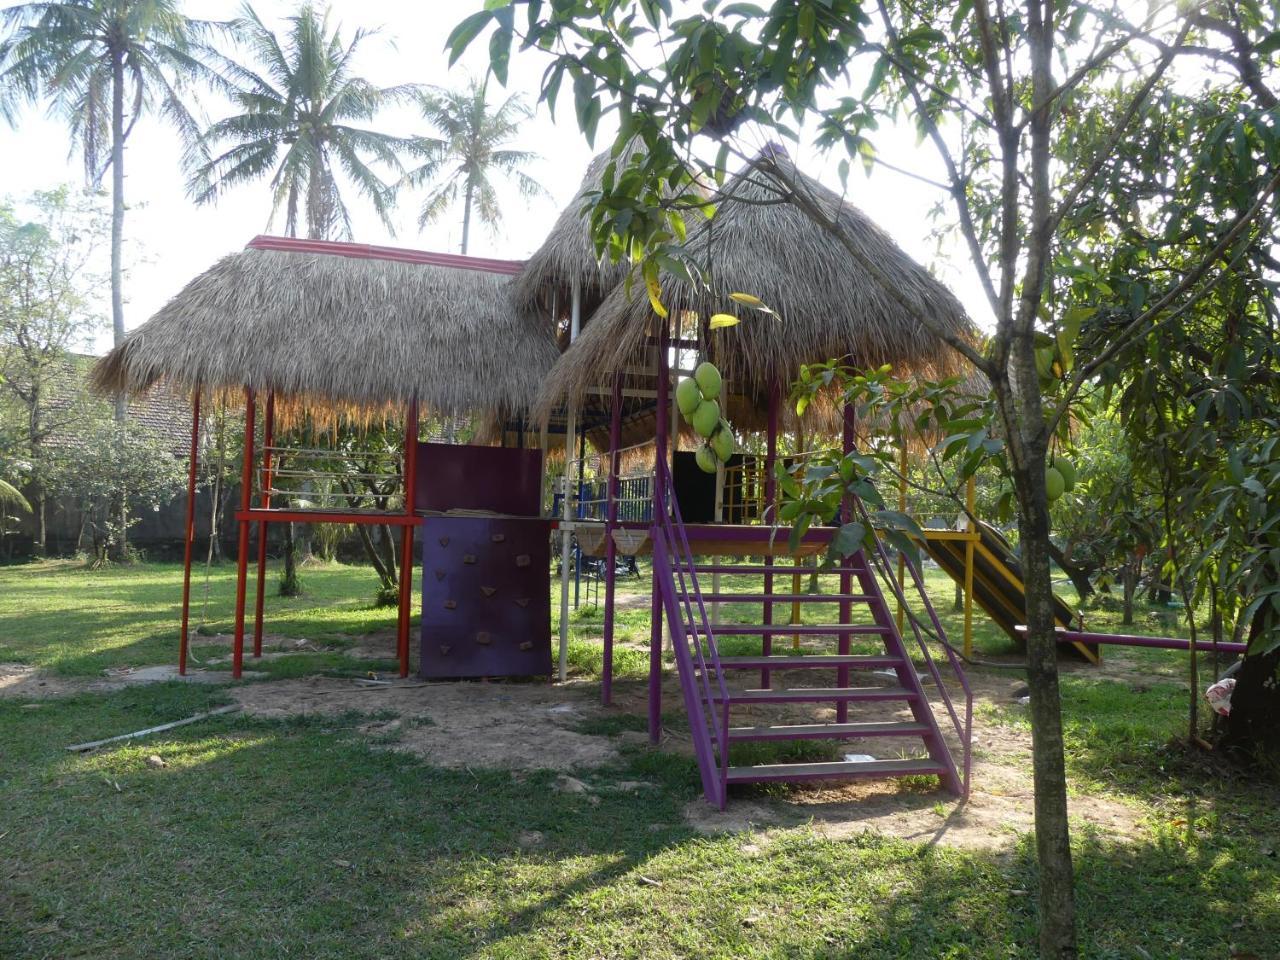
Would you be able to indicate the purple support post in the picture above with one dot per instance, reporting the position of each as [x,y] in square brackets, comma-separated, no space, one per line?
[846,579]
[659,512]
[771,489]
[610,547]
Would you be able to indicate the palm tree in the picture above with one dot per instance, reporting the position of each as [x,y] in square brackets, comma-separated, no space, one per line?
[297,107]
[102,65]
[473,147]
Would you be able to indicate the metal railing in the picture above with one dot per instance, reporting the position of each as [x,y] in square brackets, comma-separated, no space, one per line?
[690,631]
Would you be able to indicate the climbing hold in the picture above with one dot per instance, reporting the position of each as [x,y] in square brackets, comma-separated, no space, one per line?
[451,604]
[469,558]
[482,636]
[522,601]
[498,537]
[444,541]
[440,574]
[527,645]
[523,560]
[444,649]
[488,591]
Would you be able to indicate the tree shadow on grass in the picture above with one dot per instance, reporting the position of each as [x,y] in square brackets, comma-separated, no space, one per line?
[266,839]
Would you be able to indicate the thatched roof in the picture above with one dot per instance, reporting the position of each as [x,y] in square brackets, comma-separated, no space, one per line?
[347,324]
[828,305]
[568,255]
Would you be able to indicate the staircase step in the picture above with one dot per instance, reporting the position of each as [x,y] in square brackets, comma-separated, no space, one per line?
[806,629]
[778,570]
[787,597]
[829,731]
[813,662]
[826,771]
[816,694]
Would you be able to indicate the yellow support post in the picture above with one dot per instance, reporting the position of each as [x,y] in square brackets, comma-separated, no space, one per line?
[970,500]
[902,561]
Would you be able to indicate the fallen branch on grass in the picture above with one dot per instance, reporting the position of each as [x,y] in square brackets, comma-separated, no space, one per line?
[94,744]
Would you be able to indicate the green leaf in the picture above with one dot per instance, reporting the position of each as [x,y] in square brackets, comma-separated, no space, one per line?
[464,33]
[849,539]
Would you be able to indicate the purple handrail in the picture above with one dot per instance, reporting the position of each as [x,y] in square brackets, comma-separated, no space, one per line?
[963,731]
[690,626]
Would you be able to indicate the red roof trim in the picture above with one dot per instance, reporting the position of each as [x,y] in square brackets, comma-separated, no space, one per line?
[364,251]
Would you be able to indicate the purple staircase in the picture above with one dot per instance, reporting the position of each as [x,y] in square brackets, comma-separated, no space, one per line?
[878,686]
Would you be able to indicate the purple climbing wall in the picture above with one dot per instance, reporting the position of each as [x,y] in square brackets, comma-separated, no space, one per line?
[486,597]
[501,479]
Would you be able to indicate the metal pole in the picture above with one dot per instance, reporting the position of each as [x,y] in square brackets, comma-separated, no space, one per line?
[190,531]
[242,555]
[771,490]
[566,522]
[268,438]
[902,560]
[659,503]
[970,501]
[406,535]
[846,579]
[610,546]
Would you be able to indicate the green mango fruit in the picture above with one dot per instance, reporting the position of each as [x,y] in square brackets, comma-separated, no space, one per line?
[688,396]
[709,380]
[722,442]
[1068,471]
[706,458]
[706,418]
[1054,483]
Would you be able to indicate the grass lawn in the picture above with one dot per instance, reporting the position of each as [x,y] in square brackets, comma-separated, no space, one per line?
[300,837]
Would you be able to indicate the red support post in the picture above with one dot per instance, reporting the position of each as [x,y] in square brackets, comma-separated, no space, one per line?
[242,554]
[655,603]
[610,547]
[771,490]
[406,535]
[190,530]
[846,579]
[268,438]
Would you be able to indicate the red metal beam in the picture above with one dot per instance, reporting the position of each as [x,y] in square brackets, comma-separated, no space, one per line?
[326,516]
[364,251]
[406,535]
[268,438]
[189,532]
[242,553]
[611,546]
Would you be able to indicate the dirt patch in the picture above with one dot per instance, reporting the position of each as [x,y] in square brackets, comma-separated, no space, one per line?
[520,726]
[998,811]
[25,681]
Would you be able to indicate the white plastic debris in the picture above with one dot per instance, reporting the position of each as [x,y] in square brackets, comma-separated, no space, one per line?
[1219,696]
[858,758]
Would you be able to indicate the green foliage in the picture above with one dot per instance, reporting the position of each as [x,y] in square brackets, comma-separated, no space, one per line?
[300,108]
[473,148]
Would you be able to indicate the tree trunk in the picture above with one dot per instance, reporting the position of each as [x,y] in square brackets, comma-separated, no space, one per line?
[117,269]
[466,216]
[1078,575]
[1022,410]
[1129,573]
[1253,726]
[42,523]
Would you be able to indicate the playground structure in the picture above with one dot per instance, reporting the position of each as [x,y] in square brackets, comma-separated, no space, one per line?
[356,334]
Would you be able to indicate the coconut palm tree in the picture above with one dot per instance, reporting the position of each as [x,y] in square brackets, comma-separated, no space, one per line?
[101,65]
[298,106]
[472,148]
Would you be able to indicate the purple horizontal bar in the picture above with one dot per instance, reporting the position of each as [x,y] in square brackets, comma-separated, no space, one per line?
[1134,640]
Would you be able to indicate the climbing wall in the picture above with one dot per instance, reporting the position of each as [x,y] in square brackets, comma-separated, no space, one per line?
[486,597]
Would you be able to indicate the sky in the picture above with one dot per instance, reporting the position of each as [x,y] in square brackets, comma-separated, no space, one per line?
[169,240]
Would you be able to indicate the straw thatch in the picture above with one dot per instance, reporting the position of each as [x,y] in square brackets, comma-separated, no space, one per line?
[568,256]
[828,305]
[355,331]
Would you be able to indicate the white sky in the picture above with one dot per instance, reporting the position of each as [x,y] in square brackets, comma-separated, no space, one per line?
[169,240]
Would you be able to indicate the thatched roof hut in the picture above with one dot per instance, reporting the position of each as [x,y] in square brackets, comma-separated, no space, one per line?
[338,324]
[826,302]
